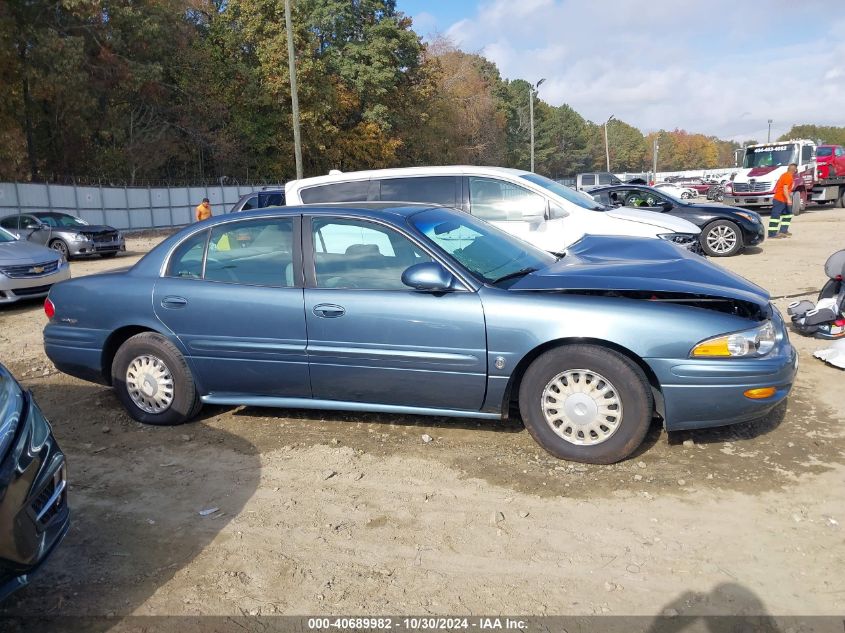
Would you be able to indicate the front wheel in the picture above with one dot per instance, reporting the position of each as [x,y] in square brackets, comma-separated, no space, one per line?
[60,247]
[154,382]
[796,204]
[686,195]
[721,238]
[586,403]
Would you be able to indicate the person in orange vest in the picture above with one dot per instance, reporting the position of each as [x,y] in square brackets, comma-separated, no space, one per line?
[203,210]
[781,216]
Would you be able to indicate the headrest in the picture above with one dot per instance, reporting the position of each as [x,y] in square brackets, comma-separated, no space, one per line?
[834,268]
[363,250]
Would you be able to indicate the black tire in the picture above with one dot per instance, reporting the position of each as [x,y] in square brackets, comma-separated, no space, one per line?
[686,195]
[795,207]
[185,400]
[61,247]
[108,255]
[725,227]
[629,385]
[840,201]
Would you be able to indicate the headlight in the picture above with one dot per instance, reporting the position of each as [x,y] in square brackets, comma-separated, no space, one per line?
[748,216]
[748,343]
[678,238]
[79,237]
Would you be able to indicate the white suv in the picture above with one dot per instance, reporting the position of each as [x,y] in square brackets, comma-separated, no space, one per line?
[539,210]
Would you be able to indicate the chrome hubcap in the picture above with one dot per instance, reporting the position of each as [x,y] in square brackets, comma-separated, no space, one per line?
[150,384]
[721,239]
[582,407]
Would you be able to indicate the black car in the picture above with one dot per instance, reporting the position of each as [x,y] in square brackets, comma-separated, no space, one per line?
[266,197]
[725,230]
[34,514]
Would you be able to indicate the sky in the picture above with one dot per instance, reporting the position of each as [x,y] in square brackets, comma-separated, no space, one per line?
[718,67]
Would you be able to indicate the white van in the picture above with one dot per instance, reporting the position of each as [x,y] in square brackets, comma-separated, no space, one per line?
[539,210]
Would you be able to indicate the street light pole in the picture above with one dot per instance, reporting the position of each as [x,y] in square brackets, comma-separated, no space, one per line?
[769,135]
[654,155]
[294,97]
[606,146]
[532,90]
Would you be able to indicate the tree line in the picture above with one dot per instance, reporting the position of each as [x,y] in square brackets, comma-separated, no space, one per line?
[140,90]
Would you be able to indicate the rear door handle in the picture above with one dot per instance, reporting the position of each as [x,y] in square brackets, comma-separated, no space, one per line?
[174,302]
[328,310]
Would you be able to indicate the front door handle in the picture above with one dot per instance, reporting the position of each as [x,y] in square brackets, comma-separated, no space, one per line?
[174,302]
[328,310]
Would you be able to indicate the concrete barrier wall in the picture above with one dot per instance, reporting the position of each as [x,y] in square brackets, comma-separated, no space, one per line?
[124,208]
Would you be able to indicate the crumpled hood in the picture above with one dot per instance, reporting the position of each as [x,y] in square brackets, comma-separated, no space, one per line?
[670,223]
[629,263]
[91,228]
[22,252]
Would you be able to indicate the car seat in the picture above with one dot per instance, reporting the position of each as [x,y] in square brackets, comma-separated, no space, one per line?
[825,318]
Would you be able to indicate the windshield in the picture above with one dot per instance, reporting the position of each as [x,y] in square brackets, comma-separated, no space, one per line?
[5,236]
[770,155]
[824,151]
[489,254]
[562,191]
[60,219]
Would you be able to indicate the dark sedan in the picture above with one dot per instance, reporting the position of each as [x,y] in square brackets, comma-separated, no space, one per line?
[725,230]
[34,514]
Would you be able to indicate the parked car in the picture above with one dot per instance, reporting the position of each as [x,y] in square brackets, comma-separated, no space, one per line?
[725,230]
[34,514]
[699,185]
[830,160]
[586,182]
[266,197]
[67,234]
[426,310]
[676,190]
[28,270]
[539,210]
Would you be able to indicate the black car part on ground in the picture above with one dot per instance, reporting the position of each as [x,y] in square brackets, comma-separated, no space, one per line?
[34,513]
[825,318]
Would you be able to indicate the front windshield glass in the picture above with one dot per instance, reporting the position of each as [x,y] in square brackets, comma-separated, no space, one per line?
[490,254]
[5,236]
[562,191]
[770,155]
[824,151]
[60,219]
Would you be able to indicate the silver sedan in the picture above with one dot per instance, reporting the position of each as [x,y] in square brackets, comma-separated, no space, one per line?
[28,270]
[69,235]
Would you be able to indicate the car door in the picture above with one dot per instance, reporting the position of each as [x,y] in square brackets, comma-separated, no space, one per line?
[371,339]
[32,229]
[233,296]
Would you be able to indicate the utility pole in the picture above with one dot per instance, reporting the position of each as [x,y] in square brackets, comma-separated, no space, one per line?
[606,146]
[532,90]
[654,156]
[294,97]
[769,135]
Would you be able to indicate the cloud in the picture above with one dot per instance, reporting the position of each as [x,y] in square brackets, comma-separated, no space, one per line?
[424,23]
[721,67]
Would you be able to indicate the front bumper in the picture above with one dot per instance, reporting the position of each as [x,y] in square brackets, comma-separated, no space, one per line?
[34,513]
[752,233]
[15,289]
[700,393]
[753,200]
[93,247]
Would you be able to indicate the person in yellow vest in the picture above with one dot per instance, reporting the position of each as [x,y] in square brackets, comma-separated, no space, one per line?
[203,210]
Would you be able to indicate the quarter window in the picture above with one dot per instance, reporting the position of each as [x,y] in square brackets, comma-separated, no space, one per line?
[186,260]
[10,223]
[356,254]
[337,192]
[251,203]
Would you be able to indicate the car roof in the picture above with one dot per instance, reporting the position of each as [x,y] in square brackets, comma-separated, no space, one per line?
[373,208]
[47,213]
[437,170]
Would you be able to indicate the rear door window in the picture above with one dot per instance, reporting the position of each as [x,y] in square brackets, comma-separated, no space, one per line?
[253,252]
[251,203]
[10,223]
[588,179]
[356,191]
[492,199]
[431,189]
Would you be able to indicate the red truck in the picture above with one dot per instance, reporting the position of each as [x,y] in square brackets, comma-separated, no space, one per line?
[830,160]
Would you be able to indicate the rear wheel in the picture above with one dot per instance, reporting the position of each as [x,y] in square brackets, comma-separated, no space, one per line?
[840,201]
[154,382]
[586,403]
[721,238]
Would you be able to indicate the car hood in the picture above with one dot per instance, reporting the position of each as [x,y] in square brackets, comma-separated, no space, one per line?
[90,228]
[22,252]
[640,264]
[668,222]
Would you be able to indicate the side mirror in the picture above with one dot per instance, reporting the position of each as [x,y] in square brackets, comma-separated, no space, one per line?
[428,276]
[666,205]
[34,227]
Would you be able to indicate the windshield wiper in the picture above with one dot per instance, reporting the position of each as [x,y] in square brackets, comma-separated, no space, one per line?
[517,273]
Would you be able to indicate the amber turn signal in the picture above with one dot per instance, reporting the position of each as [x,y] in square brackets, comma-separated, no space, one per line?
[761,393]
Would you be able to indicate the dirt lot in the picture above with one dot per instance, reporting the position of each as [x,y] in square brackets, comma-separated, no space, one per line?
[350,513]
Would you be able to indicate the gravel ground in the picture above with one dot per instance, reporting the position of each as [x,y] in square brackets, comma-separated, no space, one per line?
[266,511]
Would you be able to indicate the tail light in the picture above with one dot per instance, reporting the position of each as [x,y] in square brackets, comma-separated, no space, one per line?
[49,309]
